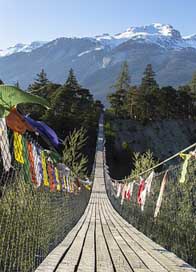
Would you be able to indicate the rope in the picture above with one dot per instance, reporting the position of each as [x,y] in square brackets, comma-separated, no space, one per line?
[158,165]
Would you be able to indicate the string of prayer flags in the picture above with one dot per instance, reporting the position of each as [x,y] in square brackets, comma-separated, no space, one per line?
[41,167]
[4,145]
[186,158]
[160,197]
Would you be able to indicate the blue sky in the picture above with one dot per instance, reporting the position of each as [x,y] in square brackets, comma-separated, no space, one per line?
[30,20]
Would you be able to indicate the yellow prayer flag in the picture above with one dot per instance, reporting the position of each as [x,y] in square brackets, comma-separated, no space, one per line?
[186,157]
[88,187]
[18,148]
[65,182]
[58,187]
[44,167]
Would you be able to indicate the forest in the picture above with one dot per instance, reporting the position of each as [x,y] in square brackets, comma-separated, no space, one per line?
[149,101]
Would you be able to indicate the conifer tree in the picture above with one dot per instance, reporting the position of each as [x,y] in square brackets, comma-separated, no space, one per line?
[71,81]
[1,82]
[118,99]
[148,81]
[40,81]
[132,102]
[193,84]
[124,81]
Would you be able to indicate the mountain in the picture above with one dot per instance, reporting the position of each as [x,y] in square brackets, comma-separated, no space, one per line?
[97,60]
[163,35]
[21,47]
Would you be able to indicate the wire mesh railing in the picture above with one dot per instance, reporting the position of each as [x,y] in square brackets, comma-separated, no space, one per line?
[175,226]
[38,203]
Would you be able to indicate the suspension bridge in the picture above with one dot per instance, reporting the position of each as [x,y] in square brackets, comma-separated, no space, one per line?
[103,241]
[50,223]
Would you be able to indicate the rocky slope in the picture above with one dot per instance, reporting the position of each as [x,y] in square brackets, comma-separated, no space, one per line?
[163,138]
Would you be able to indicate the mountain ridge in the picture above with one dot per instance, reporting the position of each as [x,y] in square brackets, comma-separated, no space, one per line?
[97,61]
[153,33]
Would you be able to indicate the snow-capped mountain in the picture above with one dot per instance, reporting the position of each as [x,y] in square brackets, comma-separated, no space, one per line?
[20,47]
[190,40]
[163,35]
[97,60]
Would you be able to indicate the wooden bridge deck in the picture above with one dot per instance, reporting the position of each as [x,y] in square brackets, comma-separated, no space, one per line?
[103,241]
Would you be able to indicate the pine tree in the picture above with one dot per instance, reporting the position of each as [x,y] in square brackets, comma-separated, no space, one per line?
[123,82]
[118,99]
[1,82]
[71,81]
[193,84]
[148,81]
[132,102]
[40,81]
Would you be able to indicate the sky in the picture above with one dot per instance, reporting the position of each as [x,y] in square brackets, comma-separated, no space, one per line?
[24,21]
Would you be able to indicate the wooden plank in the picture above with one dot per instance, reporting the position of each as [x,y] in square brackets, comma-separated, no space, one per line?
[153,249]
[49,264]
[118,259]
[70,260]
[103,260]
[135,261]
[87,262]
[137,256]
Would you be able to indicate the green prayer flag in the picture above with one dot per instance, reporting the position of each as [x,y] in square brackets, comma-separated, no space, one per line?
[26,165]
[11,96]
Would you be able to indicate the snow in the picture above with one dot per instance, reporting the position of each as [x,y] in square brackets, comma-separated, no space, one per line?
[84,53]
[20,47]
[163,35]
[190,40]
[89,51]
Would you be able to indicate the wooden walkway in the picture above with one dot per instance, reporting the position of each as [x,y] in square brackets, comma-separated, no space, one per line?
[103,241]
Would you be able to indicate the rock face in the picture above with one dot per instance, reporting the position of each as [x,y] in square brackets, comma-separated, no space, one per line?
[163,138]
[97,60]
